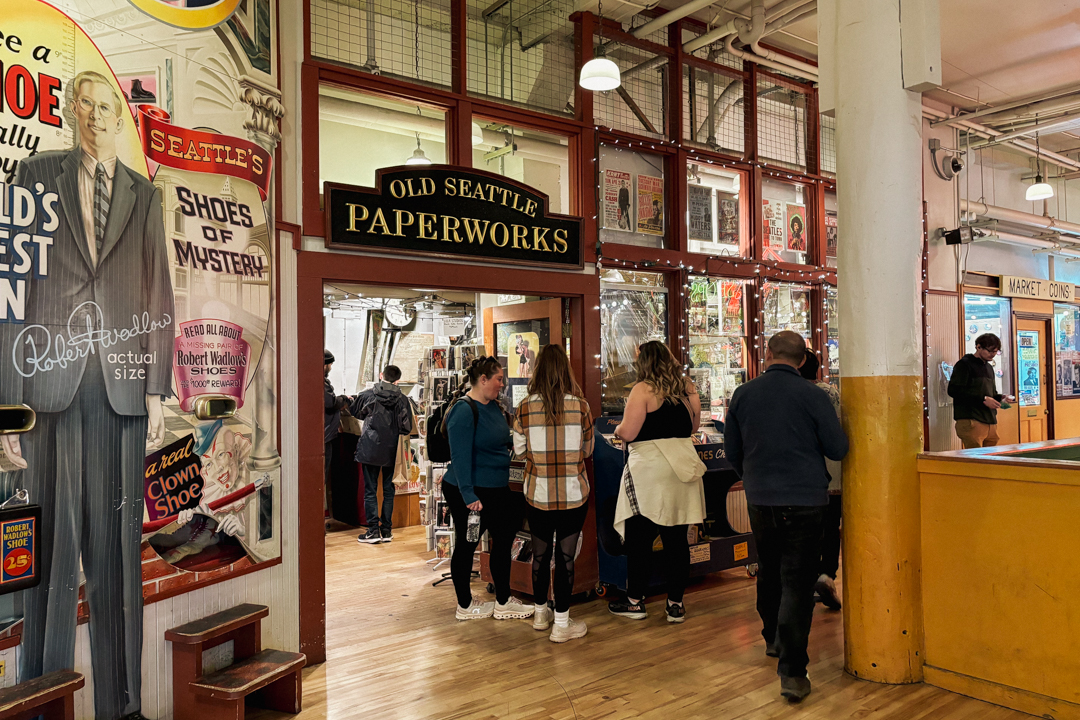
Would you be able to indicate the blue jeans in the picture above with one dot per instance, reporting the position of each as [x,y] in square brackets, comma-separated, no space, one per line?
[371,500]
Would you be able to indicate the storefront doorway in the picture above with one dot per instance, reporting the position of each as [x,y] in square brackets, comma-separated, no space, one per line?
[1033,371]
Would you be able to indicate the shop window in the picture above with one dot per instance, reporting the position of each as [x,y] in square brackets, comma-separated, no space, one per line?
[633,202]
[1067,350]
[713,110]
[782,127]
[538,159]
[360,133]
[521,53]
[991,314]
[786,222]
[828,145]
[405,40]
[832,341]
[716,311]
[633,310]
[784,307]
[716,210]
[640,105]
[832,230]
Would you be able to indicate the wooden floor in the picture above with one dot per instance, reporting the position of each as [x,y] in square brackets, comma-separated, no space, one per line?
[395,651]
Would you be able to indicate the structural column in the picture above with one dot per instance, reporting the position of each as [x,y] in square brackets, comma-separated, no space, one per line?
[880,194]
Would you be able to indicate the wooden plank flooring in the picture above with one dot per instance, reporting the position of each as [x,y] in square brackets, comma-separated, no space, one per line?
[395,651]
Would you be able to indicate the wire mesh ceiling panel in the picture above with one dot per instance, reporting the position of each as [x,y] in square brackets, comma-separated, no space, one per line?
[828,145]
[782,126]
[713,115]
[638,105]
[405,39]
[714,52]
[522,52]
[658,36]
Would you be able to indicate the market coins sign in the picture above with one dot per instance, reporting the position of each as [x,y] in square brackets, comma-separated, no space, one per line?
[1037,289]
[446,211]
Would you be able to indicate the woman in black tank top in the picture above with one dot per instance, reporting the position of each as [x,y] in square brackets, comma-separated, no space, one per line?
[659,378]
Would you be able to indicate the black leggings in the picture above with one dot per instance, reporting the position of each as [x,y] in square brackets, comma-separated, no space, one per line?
[640,533]
[565,527]
[501,516]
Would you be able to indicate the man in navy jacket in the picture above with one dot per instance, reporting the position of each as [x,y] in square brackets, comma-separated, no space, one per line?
[778,431]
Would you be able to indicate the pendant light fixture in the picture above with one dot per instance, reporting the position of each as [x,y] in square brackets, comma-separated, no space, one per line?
[600,74]
[477,134]
[1040,190]
[418,157]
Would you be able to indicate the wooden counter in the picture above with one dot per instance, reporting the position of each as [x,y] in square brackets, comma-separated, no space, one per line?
[1001,574]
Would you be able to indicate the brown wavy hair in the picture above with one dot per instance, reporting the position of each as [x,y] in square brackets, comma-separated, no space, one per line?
[552,380]
[657,367]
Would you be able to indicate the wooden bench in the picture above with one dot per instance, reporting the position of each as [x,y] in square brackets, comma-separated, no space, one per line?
[263,678]
[51,696]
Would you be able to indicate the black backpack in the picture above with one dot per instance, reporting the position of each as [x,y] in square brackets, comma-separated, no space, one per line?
[437,441]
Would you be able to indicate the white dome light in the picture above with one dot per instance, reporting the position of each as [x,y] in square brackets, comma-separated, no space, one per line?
[1040,190]
[418,158]
[477,134]
[600,74]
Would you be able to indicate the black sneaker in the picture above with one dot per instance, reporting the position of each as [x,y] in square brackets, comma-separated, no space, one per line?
[794,689]
[676,613]
[772,650]
[623,608]
[386,535]
[371,537]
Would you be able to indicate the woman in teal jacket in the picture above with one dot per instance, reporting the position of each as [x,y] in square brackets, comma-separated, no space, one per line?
[479,480]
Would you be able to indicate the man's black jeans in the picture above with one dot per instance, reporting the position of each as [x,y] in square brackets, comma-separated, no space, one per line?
[788,540]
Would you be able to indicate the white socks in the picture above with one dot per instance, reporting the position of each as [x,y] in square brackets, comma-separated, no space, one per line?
[562,619]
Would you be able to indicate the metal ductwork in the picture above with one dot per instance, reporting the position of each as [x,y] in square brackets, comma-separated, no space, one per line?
[1017,217]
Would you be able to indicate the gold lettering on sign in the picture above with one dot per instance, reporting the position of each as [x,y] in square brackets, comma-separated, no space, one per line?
[398,214]
[505,234]
[397,189]
[353,219]
[560,240]
[473,231]
[379,220]
[448,229]
[450,187]
[521,235]
[426,221]
[539,243]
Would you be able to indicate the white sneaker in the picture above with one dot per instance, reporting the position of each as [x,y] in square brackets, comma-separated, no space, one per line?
[542,618]
[573,629]
[475,611]
[513,609]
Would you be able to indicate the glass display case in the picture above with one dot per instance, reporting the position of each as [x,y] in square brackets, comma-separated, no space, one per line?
[786,222]
[633,310]
[716,312]
[1067,350]
[832,230]
[991,314]
[715,210]
[633,206]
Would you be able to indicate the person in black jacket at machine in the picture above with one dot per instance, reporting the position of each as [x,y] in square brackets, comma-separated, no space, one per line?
[778,431]
[332,407]
[387,414]
[976,400]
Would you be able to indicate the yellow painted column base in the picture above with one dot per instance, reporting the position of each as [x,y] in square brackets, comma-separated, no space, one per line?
[883,630]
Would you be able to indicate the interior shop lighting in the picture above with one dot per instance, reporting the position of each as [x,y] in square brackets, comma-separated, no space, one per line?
[477,134]
[1040,190]
[600,74]
[418,157]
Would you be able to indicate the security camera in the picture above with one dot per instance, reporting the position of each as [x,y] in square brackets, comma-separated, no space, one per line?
[949,166]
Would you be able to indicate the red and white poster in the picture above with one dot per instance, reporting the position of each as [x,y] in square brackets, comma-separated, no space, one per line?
[831,233]
[617,209]
[773,223]
[650,205]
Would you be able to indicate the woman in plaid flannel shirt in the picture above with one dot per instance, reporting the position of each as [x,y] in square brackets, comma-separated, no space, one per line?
[553,430]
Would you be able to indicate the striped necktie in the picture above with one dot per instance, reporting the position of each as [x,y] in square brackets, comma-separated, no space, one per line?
[101,207]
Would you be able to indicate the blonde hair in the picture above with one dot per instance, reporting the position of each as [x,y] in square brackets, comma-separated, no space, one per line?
[657,367]
[96,77]
[552,380]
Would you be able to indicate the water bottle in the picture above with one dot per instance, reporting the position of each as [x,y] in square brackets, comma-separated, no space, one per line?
[472,529]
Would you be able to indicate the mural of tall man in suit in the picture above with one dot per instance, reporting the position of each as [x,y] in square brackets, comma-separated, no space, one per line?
[94,359]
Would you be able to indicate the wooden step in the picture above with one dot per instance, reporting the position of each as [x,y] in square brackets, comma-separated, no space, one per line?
[16,700]
[212,626]
[248,675]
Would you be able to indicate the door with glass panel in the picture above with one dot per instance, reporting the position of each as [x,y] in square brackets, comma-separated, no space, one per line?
[1032,393]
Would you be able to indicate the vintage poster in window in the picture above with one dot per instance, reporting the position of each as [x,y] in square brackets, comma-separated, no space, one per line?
[617,201]
[699,201]
[731,299]
[650,205]
[796,227]
[1067,348]
[727,205]
[831,233]
[1029,373]
[774,228]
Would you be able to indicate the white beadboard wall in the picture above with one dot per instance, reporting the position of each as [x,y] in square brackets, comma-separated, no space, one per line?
[276,587]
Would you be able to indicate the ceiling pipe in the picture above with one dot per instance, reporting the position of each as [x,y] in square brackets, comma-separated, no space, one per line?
[758,30]
[1020,145]
[1049,127]
[796,16]
[783,8]
[718,33]
[980,209]
[718,113]
[1042,103]
[670,16]
[805,75]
